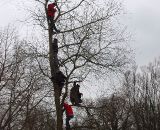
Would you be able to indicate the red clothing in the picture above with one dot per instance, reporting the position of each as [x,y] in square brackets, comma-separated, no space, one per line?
[68,108]
[51,10]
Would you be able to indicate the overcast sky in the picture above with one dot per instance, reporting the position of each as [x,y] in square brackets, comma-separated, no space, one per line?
[143,20]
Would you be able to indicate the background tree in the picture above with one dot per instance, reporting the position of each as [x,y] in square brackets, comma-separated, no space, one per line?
[143,95]
[21,82]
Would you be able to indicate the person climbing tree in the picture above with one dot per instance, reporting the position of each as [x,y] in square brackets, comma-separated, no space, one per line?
[55,45]
[75,95]
[69,114]
[60,79]
[51,14]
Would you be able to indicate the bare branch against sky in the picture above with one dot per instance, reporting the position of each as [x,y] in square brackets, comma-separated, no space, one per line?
[142,18]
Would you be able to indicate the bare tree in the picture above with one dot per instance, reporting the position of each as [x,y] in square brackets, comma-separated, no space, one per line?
[143,95]
[89,42]
[21,81]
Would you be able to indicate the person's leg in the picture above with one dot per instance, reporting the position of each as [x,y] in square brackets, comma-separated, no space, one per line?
[52,24]
[67,121]
[50,20]
[54,27]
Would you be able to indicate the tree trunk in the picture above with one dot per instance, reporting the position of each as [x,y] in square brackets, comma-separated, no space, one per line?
[53,59]
[58,111]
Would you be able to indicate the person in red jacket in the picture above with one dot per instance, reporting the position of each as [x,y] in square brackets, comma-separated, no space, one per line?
[69,114]
[51,14]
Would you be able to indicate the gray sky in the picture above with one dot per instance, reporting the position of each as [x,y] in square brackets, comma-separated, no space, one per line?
[143,20]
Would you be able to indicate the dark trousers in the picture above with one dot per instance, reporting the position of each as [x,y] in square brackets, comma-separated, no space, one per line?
[52,24]
[67,121]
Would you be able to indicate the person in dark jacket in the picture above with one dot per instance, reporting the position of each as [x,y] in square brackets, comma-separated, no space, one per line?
[60,79]
[51,14]
[69,114]
[75,95]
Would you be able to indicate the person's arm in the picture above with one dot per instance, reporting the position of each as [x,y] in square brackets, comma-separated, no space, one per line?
[81,94]
[54,10]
